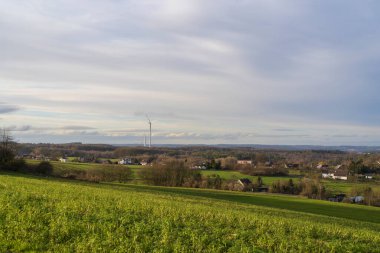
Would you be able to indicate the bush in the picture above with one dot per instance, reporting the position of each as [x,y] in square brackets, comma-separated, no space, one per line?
[15,165]
[44,168]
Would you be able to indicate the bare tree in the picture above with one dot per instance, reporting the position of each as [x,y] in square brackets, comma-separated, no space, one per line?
[7,147]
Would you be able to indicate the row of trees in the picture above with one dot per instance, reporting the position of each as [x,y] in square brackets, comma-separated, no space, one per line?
[311,188]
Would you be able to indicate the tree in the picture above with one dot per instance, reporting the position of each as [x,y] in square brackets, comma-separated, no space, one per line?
[7,148]
[259,182]
[170,173]
[357,167]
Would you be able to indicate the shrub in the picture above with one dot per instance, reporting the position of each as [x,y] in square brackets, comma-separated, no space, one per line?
[44,168]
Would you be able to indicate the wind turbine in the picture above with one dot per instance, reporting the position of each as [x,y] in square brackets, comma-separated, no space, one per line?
[150,131]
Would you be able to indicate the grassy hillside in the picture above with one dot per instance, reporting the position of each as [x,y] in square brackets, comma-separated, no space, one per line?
[40,214]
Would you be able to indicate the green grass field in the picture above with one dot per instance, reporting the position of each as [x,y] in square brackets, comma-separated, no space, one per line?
[346,187]
[227,174]
[41,214]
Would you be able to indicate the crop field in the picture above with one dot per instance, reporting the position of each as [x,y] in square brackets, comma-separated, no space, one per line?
[41,214]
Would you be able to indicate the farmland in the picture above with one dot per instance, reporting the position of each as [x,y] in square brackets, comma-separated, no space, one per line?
[49,215]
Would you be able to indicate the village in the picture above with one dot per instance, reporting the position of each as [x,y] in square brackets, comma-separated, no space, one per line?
[231,169]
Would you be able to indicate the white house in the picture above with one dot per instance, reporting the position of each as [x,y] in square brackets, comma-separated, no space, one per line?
[199,167]
[126,161]
[63,160]
[357,199]
[368,176]
[340,175]
[322,166]
[327,175]
[337,174]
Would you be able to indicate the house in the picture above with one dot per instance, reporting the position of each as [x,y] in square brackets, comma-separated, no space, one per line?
[199,167]
[338,167]
[340,174]
[357,199]
[327,174]
[322,166]
[63,160]
[292,166]
[244,162]
[244,182]
[126,161]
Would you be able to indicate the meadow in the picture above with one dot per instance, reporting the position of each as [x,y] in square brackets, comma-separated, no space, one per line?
[347,187]
[46,214]
[235,175]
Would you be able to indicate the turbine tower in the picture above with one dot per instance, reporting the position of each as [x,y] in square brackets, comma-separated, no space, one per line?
[150,131]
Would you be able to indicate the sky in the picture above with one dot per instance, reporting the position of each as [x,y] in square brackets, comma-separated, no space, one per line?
[206,72]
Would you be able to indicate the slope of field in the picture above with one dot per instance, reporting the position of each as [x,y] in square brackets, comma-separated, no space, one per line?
[55,215]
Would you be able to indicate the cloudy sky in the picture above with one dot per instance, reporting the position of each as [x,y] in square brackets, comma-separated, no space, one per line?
[243,71]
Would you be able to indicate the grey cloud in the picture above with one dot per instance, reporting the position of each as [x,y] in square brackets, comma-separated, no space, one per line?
[19,128]
[4,108]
